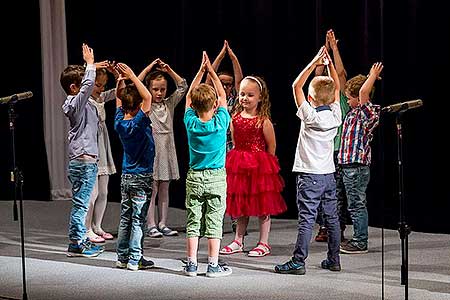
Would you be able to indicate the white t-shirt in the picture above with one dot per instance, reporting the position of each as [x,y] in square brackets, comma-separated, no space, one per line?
[314,153]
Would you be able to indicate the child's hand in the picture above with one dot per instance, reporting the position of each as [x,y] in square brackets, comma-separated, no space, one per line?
[332,39]
[376,70]
[224,49]
[88,54]
[319,58]
[230,51]
[102,65]
[163,66]
[125,71]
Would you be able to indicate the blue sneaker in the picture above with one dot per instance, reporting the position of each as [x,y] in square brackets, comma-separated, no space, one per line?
[190,269]
[93,246]
[326,264]
[142,264]
[81,250]
[218,271]
[290,267]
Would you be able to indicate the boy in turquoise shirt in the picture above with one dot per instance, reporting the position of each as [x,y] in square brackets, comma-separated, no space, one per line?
[206,120]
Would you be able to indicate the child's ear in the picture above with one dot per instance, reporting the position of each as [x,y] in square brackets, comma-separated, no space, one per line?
[73,87]
[310,98]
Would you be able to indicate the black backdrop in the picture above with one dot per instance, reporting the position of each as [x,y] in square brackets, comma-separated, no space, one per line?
[274,39]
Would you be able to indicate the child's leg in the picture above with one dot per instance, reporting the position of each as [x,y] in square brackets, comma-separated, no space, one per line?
[241,228]
[191,249]
[264,229]
[213,251]
[331,219]
[163,202]
[82,177]
[90,212]
[100,204]
[151,210]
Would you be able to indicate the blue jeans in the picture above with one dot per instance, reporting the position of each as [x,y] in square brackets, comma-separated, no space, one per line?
[136,192]
[82,176]
[356,178]
[314,190]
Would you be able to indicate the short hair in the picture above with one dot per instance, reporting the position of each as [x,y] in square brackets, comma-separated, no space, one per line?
[154,75]
[72,74]
[226,72]
[130,97]
[203,98]
[321,89]
[354,84]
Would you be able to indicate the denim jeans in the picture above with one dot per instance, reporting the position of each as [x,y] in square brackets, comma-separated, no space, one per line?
[356,178]
[82,176]
[136,192]
[344,215]
[314,190]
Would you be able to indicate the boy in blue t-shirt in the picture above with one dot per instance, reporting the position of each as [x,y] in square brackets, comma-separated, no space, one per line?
[132,123]
[206,120]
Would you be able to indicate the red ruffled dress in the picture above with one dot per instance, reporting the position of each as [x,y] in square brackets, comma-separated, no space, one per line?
[253,181]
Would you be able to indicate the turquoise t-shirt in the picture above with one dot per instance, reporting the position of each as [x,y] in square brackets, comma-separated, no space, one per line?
[207,140]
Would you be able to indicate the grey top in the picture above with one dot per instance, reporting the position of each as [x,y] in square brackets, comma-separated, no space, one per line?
[83,118]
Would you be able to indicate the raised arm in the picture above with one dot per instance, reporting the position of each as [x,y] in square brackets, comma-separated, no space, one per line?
[237,70]
[333,74]
[366,88]
[299,82]
[142,90]
[221,95]
[196,81]
[148,69]
[216,63]
[166,68]
[342,74]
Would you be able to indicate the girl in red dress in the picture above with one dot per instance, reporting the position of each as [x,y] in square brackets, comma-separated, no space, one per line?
[253,181]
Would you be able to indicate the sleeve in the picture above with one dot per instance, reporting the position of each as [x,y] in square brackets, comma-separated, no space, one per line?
[108,95]
[189,116]
[371,113]
[118,117]
[73,108]
[179,93]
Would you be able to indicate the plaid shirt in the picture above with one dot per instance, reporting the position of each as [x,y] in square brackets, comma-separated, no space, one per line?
[357,133]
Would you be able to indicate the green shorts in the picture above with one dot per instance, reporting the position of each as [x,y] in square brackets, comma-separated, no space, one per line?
[206,193]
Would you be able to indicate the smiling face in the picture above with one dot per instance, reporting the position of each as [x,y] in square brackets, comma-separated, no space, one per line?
[249,95]
[99,87]
[158,89]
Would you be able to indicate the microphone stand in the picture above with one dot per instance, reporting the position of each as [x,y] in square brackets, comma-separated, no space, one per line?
[17,178]
[404,230]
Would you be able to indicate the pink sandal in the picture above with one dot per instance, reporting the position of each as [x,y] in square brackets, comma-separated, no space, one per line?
[261,249]
[234,247]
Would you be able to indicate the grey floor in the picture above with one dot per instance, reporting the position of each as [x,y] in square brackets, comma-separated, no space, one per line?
[52,275]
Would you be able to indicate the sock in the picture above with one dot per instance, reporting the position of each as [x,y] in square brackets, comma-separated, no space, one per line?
[213,261]
[192,260]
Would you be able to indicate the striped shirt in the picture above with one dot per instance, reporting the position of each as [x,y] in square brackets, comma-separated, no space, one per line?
[357,133]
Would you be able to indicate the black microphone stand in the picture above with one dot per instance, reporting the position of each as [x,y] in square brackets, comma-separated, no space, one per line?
[403,229]
[17,179]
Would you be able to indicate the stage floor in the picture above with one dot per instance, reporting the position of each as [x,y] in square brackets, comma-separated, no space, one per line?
[52,275]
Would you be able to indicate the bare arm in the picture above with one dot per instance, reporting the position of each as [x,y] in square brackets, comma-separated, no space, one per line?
[147,69]
[216,63]
[364,92]
[196,81]
[334,76]
[342,74]
[237,70]
[166,68]
[299,82]
[221,95]
[269,136]
[142,90]
[120,85]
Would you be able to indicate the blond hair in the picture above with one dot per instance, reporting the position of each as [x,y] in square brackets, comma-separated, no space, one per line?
[321,89]
[203,98]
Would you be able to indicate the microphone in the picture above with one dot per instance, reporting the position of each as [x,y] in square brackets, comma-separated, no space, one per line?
[402,106]
[16,97]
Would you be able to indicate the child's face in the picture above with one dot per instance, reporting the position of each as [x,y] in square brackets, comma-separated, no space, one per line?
[99,87]
[249,95]
[227,82]
[158,89]
[352,101]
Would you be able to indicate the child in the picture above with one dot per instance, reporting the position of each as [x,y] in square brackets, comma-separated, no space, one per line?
[230,82]
[206,120]
[344,218]
[106,167]
[165,167]
[78,84]
[355,154]
[132,123]
[320,117]
[253,179]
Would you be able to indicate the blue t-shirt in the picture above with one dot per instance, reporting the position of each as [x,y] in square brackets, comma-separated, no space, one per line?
[207,140]
[137,141]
